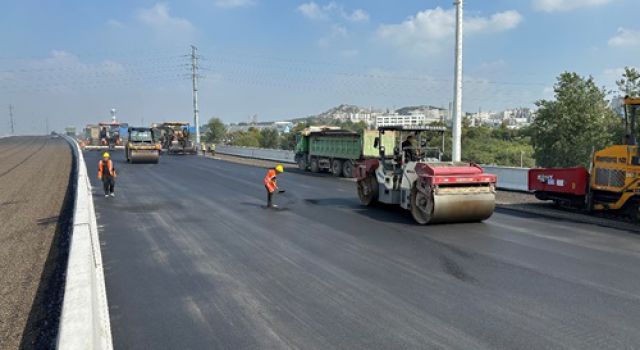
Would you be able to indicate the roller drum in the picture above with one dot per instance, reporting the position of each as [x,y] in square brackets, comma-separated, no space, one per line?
[136,156]
[463,207]
[454,204]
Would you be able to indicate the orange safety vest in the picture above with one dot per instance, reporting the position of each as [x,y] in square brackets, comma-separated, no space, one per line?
[110,169]
[270,181]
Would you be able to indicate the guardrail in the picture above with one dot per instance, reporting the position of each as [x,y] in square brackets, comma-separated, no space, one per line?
[509,178]
[84,323]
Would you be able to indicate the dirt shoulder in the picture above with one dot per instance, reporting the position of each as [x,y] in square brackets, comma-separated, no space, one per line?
[35,216]
[527,203]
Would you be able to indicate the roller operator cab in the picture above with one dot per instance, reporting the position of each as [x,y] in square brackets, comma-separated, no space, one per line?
[413,176]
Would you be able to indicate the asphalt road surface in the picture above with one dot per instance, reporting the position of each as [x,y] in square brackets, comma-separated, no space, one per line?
[34,177]
[194,261]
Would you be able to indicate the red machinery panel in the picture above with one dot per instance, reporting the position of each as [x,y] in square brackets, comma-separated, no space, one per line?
[452,174]
[559,180]
[365,166]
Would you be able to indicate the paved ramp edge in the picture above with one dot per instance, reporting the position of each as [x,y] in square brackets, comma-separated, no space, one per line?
[84,323]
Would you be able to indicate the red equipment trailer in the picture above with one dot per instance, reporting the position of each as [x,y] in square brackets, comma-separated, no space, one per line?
[564,186]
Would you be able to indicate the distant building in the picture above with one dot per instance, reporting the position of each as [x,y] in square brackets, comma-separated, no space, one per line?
[406,120]
[283,127]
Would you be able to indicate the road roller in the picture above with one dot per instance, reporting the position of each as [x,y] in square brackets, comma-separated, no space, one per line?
[414,176]
[142,146]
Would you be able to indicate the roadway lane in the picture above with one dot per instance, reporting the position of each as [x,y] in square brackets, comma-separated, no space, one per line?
[194,261]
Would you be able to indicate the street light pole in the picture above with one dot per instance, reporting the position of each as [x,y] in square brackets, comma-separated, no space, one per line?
[457,88]
[194,80]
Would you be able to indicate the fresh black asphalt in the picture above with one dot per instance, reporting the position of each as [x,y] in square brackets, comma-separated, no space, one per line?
[193,260]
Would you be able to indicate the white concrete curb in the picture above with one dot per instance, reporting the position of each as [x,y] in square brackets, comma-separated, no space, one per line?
[84,322]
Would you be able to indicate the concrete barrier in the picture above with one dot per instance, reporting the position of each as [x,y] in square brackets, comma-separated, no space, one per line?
[84,323]
[509,178]
[258,153]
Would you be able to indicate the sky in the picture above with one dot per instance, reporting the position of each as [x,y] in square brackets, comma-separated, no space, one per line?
[67,63]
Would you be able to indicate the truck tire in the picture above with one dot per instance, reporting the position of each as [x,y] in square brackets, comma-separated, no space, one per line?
[302,163]
[347,168]
[336,167]
[315,168]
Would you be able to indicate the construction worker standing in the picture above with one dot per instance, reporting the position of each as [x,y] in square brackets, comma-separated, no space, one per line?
[107,173]
[271,184]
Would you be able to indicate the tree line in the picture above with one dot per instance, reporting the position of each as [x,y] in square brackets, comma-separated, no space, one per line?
[567,129]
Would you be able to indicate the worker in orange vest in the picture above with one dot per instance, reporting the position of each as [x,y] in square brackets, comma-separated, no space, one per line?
[107,173]
[271,184]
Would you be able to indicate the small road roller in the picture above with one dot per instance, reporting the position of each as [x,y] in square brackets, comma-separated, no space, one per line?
[142,146]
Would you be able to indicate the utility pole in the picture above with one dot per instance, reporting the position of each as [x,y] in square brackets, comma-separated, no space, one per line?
[194,78]
[457,89]
[11,119]
[46,123]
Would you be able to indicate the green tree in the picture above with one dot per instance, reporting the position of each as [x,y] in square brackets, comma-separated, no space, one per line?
[577,121]
[245,138]
[629,85]
[289,140]
[269,138]
[216,130]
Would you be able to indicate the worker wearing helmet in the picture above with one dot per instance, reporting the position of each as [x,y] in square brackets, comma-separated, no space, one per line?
[107,173]
[271,184]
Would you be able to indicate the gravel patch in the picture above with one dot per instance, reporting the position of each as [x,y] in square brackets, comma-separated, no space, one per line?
[35,211]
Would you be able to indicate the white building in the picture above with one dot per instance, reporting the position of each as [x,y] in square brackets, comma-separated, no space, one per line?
[407,120]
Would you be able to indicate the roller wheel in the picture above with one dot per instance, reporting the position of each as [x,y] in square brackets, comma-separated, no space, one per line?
[421,206]
[633,210]
[315,167]
[302,163]
[368,190]
[347,168]
[336,167]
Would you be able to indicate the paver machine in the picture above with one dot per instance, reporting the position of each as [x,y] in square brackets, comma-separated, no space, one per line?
[175,138]
[413,176]
[141,147]
[110,136]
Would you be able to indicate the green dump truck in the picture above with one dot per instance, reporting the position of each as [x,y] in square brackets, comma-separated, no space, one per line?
[336,150]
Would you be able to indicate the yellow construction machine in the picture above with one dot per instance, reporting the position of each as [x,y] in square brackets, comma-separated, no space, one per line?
[611,183]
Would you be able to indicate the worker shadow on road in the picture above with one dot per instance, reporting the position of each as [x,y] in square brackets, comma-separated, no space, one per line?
[379,212]
[264,206]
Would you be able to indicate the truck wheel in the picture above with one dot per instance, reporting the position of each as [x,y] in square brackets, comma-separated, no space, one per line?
[336,167]
[302,163]
[315,168]
[421,206]
[368,190]
[347,168]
